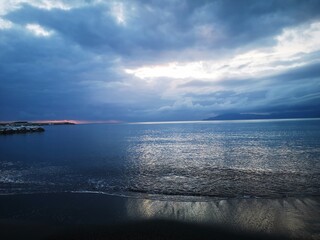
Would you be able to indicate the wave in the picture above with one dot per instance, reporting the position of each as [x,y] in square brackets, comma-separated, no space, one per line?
[168,181]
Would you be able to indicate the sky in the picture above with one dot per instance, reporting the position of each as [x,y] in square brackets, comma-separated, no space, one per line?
[157,60]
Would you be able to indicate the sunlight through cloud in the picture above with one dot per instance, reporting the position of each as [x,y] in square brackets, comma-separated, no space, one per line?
[175,70]
[118,12]
[255,63]
[4,24]
[12,5]
[38,30]
[136,60]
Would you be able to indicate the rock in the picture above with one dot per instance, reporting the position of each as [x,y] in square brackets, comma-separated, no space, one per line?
[20,129]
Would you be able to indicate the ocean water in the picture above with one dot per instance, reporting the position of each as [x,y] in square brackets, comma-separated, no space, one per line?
[184,160]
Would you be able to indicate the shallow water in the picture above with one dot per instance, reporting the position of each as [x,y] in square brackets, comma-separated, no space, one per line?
[293,218]
[270,159]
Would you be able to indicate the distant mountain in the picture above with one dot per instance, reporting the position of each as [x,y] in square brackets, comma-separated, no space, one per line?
[249,116]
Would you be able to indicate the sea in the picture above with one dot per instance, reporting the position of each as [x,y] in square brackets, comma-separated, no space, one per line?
[167,160]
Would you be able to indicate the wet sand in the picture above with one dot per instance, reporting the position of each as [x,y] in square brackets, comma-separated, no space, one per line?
[98,216]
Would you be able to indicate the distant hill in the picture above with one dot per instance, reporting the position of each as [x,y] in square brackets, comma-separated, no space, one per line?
[249,116]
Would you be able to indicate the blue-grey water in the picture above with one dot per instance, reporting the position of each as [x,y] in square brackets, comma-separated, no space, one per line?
[272,158]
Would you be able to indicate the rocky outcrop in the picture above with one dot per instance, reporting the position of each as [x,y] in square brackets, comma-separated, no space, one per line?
[28,124]
[20,129]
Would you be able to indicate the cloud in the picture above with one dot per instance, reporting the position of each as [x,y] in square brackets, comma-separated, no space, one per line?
[293,44]
[5,24]
[38,30]
[152,60]
[169,26]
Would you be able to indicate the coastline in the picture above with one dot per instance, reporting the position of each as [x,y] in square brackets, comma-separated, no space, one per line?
[23,127]
[65,215]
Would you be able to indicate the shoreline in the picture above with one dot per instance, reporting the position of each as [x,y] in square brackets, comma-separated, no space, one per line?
[293,217]
[166,197]
[9,128]
[35,123]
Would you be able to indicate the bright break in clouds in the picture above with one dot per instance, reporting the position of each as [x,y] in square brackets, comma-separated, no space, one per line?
[158,60]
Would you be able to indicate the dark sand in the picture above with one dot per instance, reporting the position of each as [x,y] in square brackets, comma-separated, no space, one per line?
[98,216]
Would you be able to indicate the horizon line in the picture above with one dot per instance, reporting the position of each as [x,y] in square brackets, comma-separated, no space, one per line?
[79,122]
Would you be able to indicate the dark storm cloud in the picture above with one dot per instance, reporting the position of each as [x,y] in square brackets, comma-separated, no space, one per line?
[224,83]
[92,27]
[251,20]
[159,25]
[301,73]
[294,90]
[78,70]
[40,76]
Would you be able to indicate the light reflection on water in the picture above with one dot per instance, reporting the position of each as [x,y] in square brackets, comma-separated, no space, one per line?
[296,217]
[223,159]
[219,161]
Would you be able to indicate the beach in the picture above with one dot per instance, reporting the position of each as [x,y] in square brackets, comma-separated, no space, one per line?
[159,119]
[101,216]
[191,180]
